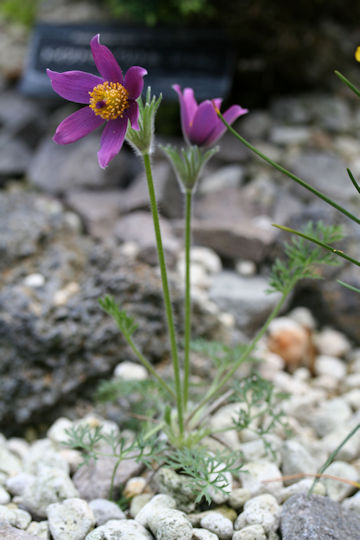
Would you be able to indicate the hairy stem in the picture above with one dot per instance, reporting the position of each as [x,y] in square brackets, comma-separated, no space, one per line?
[187,338]
[166,292]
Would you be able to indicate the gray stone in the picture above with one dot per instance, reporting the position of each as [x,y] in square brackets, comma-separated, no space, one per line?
[245,298]
[218,524]
[49,335]
[336,489]
[261,510]
[330,415]
[7,532]
[176,486]
[138,227]
[297,460]
[254,477]
[21,118]
[168,193]
[61,168]
[323,171]
[285,135]
[251,532]
[49,486]
[14,158]
[125,529]
[231,226]
[224,177]
[15,517]
[39,529]
[202,534]
[98,209]
[93,480]
[307,518]
[105,510]
[164,521]
[72,518]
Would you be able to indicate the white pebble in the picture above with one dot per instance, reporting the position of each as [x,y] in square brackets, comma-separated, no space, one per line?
[123,529]
[255,475]
[15,517]
[72,518]
[202,534]
[332,343]
[34,281]
[336,489]
[251,532]
[218,524]
[245,268]
[330,365]
[105,510]
[130,371]
[57,432]
[4,496]
[262,510]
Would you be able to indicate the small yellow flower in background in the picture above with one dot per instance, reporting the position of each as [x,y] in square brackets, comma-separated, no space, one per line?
[357,54]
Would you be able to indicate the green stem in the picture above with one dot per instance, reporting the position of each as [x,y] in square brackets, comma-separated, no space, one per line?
[243,357]
[149,367]
[288,173]
[332,457]
[187,338]
[166,293]
[348,83]
[355,184]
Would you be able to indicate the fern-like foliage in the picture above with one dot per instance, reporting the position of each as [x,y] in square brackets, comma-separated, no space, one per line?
[261,411]
[303,257]
[125,323]
[205,472]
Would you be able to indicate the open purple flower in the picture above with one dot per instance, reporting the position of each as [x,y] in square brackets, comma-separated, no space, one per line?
[200,123]
[110,100]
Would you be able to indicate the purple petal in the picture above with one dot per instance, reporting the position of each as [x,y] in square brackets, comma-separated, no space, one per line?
[74,85]
[217,102]
[204,123]
[112,139]
[134,82]
[230,116]
[188,108]
[133,114]
[105,61]
[77,125]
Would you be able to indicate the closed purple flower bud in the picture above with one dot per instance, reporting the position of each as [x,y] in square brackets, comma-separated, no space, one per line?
[200,123]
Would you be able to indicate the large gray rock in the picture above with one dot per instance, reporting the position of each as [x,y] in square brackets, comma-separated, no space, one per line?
[94,480]
[60,168]
[51,277]
[324,171]
[315,518]
[244,297]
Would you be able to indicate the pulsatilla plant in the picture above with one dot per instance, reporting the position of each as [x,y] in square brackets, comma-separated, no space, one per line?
[180,414]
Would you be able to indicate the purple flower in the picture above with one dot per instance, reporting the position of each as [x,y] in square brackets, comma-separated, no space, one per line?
[200,123]
[110,100]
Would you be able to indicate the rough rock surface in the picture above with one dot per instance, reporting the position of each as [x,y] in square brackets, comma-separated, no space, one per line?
[51,277]
[317,517]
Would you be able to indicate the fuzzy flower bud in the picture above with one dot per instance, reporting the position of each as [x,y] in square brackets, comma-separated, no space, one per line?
[142,139]
[188,163]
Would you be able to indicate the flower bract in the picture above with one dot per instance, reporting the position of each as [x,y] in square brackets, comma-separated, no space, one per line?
[200,123]
[110,100]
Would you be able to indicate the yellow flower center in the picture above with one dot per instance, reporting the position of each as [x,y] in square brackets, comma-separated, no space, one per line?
[109,100]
